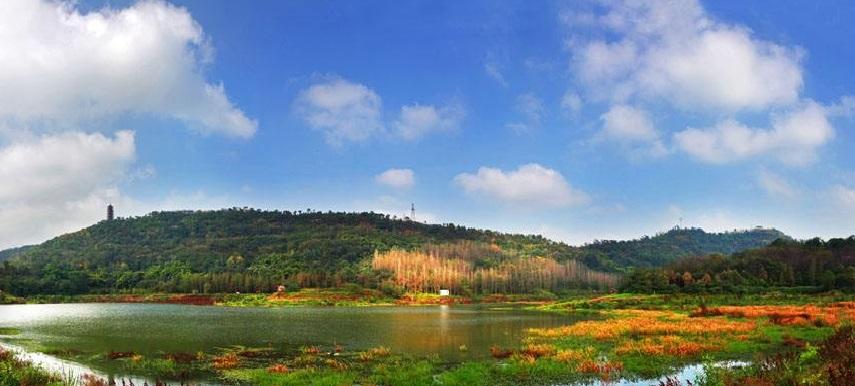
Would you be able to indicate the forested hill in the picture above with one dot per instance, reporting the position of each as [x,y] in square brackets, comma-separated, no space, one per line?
[200,237]
[163,250]
[12,252]
[667,247]
[248,249]
[809,265]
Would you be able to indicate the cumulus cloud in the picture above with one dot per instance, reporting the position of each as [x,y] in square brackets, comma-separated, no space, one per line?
[623,122]
[61,65]
[396,178]
[343,110]
[60,182]
[673,57]
[775,185]
[531,185]
[675,51]
[633,129]
[793,138]
[531,107]
[415,121]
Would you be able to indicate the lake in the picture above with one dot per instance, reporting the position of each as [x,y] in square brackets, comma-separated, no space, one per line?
[155,329]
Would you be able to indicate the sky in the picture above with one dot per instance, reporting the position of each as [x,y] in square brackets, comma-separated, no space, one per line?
[575,120]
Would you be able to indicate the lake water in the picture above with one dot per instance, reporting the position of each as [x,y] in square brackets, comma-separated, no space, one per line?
[154,329]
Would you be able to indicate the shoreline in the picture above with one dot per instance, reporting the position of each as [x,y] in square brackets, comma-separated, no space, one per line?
[634,337]
[304,297]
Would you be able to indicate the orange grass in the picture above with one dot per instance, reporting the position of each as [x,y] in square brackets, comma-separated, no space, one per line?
[278,369]
[500,353]
[638,322]
[336,364]
[605,370]
[376,352]
[565,356]
[670,345]
[538,350]
[807,315]
[226,362]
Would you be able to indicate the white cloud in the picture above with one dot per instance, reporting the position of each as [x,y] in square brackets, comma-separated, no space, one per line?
[344,111]
[775,185]
[397,178]
[675,51]
[60,66]
[843,108]
[58,183]
[626,123]
[571,102]
[793,138]
[530,185]
[633,129]
[416,121]
[531,107]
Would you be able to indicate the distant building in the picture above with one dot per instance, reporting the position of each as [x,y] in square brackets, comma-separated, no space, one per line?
[444,292]
[110,212]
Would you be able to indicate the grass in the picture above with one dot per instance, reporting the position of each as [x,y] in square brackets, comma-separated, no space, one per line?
[17,372]
[347,296]
[830,362]
[652,335]
[344,297]
[263,377]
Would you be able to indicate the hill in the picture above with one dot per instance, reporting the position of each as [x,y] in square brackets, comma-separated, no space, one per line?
[252,250]
[812,265]
[244,249]
[12,252]
[670,246]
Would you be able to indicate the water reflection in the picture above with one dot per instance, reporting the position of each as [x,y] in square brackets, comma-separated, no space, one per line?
[155,329]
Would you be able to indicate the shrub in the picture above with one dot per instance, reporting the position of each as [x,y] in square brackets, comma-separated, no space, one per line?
[226,362]
[500,353]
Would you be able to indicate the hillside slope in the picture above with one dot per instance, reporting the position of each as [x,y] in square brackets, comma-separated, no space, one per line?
[12,252]
[238,248]
[254,250]
[811,264]
[667,247]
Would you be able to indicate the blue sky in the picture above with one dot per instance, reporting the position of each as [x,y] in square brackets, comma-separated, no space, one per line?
[576,120]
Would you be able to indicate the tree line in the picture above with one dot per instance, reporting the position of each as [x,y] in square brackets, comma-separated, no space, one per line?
[811,265]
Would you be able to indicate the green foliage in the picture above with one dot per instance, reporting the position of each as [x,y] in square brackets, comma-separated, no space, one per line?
[15,372]
[254,251]
[155,367]
[404,374]
[231,250]
[467,374]
[808,266]
[262,377]
[9,299]
[667,247]
[12,252]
